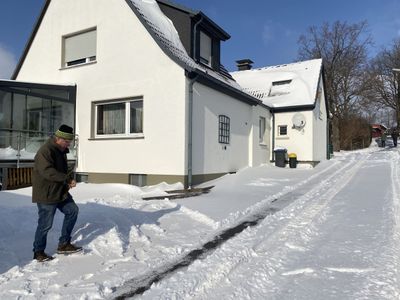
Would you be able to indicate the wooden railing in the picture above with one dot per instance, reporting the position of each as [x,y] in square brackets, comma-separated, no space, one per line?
[18,178]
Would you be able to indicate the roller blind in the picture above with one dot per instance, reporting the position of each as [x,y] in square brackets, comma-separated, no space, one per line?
[80,46]
[205,48]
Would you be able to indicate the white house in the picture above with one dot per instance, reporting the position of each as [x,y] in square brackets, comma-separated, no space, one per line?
[153,103]
[295,93]
[142,84]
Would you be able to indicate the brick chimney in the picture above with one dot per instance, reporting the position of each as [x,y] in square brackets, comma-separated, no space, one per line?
[244,64]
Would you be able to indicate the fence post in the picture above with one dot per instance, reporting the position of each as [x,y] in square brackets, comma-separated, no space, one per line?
[4,175]
[19,139]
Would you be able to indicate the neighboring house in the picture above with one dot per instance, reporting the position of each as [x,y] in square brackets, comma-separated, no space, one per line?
[377,130]
[295,93]
[153,103]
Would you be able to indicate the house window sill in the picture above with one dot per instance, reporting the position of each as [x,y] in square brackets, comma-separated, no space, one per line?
[78,65]
[107,138]
[282,137]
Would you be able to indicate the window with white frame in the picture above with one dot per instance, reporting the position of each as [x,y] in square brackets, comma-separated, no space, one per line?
[262,130]
[119,118]
[205,49]
[224,129]
[79,48]
[282,130]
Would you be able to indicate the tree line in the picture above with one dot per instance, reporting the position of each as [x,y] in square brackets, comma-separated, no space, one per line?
[360,90]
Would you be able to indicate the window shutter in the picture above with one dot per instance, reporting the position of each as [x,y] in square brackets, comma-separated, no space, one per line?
[80,46]
[205,48]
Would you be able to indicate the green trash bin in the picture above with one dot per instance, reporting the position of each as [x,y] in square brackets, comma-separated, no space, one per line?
[292,160]
[331,149]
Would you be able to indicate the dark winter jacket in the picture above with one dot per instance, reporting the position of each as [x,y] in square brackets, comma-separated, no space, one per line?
[50,176]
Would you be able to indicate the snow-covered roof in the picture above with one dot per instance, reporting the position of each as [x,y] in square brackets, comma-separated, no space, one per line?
[282,86]
[164,32]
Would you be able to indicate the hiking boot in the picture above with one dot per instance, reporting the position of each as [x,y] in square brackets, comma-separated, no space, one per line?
[41,256]
[68,248]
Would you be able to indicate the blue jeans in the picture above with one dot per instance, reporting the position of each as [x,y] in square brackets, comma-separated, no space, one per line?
[46,216]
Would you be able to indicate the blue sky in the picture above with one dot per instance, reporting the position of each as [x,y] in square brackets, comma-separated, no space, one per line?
[266,31]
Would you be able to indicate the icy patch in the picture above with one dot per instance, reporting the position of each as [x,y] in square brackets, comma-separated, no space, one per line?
[351,270]
[299,272]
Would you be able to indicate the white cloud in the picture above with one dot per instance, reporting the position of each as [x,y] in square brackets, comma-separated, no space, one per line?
[267,33]
[7,63]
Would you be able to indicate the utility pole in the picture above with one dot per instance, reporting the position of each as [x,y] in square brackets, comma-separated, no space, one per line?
[396,71]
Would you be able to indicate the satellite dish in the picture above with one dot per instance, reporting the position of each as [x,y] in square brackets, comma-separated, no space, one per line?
[299,120]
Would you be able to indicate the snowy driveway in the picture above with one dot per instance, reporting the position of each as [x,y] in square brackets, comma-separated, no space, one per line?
[340,240]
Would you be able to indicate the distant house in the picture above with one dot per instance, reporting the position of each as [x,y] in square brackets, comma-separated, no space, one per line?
[296,95]
[377,130]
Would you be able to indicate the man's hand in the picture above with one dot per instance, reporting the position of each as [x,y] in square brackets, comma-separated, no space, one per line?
[72,184]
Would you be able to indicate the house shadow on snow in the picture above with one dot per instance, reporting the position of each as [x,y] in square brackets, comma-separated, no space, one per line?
[19,222]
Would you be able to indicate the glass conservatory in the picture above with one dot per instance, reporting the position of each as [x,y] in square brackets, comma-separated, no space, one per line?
[29,114]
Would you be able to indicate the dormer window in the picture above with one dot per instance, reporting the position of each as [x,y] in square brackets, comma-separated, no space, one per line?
[279,88]
[205,49]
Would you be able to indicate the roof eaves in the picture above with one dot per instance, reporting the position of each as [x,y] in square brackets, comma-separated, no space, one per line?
[293,108]
[179,7]
[325,96]
[30,40]
[222,33]
[212,82]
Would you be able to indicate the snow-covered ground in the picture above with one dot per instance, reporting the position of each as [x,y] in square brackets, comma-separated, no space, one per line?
[334,234]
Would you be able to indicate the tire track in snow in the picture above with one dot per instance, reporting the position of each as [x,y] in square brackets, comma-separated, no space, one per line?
[384,282]
[271,252]
[141,283]
[217,272]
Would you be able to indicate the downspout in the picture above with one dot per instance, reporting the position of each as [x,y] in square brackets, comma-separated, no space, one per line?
[192,79]
[328,134]
[194,48]
[273,135]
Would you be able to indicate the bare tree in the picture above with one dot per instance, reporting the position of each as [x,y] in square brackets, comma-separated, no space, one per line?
[343,48]
[384,79]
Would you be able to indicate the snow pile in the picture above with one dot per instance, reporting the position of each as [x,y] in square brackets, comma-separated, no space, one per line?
[10,153]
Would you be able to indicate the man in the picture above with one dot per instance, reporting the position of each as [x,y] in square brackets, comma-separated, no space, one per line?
[51,182]
[383,139]
[394,134]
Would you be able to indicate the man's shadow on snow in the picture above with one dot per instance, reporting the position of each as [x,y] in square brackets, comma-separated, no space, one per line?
[19,221]
[96,219]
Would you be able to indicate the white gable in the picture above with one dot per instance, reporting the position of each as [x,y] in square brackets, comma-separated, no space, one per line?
[284,85]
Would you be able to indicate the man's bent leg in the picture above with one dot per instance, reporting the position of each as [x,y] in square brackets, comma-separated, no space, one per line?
[70,211]
[46,214]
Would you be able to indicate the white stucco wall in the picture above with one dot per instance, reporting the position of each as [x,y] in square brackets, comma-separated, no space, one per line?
[129,64]
[299,141]
[210,156]
[260,152]
[320,126]
[310,142]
